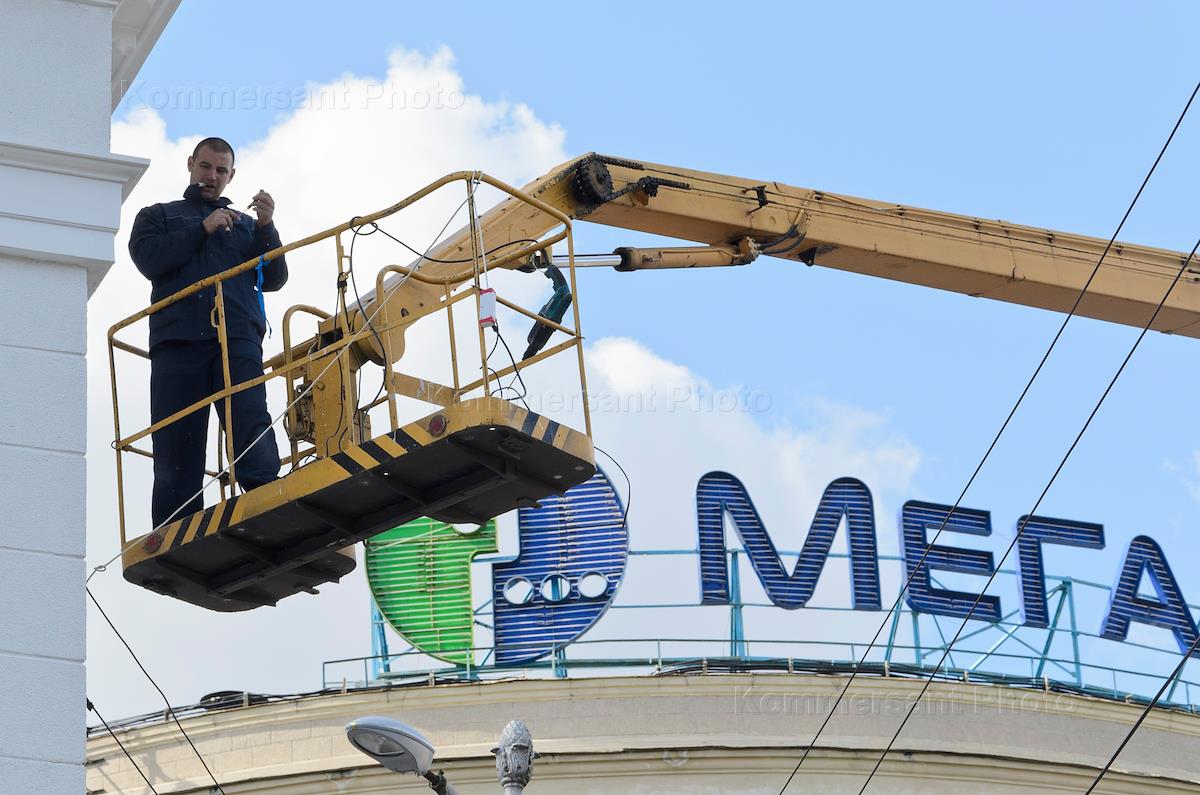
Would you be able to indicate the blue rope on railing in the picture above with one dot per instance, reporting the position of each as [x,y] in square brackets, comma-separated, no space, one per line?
[258,289]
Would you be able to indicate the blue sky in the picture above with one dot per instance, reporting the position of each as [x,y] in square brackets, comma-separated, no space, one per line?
[1044,114]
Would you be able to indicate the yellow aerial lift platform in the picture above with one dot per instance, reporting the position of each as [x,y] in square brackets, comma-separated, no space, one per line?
[477,456]
[475,460]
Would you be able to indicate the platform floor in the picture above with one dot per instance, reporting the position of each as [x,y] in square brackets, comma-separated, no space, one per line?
[487,457]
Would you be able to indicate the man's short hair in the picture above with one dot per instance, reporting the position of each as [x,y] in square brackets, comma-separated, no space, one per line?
[219,145]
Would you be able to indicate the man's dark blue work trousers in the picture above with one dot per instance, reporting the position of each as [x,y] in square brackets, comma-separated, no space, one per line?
[182,373]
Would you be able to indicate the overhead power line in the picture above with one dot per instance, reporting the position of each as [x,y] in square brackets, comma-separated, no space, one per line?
[1145,711]
[101,568]
[996,439]
[1033,511]
[92,708]
[170,709]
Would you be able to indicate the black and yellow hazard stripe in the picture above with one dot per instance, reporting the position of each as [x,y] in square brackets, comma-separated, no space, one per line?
[353,460]
[542,428]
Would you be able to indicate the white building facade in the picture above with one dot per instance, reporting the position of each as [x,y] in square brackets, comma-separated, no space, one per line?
[65,66]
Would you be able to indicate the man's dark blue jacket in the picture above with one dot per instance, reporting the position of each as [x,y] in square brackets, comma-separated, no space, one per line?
[171,249]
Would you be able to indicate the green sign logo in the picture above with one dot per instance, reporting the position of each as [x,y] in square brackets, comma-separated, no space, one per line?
[420,577]
[573,549]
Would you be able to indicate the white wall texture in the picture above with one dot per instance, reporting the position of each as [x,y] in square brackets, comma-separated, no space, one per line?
[60,198]
[57,67]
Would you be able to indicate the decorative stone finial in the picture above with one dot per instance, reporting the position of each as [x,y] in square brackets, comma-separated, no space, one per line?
[514,757]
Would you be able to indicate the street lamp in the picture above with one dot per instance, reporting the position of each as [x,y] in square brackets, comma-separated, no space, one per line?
[403,749]
[398,747]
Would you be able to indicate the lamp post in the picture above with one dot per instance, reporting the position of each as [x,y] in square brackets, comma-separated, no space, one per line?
[514,758]
[402,749]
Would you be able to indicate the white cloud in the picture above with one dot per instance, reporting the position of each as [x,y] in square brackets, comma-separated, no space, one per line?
[323,165]
[681,425]
[666,424]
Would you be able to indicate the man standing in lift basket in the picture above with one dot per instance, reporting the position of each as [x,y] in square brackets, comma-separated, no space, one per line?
[174,245]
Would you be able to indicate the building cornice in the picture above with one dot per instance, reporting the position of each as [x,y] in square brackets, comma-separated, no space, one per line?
[62,206]
[136,26]
[121,169]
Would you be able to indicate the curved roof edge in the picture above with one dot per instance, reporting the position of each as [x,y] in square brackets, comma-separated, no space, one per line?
[608,734]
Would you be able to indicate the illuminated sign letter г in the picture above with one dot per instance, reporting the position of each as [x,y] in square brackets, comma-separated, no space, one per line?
[1033,532]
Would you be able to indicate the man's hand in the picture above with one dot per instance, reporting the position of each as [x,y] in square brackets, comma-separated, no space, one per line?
[220,219]
[264,206]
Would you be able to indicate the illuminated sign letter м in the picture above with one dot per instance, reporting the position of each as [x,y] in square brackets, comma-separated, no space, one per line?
[719,493]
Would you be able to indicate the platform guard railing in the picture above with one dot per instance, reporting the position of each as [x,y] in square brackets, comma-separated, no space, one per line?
[456,287]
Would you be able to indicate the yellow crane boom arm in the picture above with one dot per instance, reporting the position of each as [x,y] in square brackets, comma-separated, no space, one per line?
[974,256]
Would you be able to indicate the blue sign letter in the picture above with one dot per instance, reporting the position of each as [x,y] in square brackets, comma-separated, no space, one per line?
[1035,531]
[921,596]
[719,493]
[573,552]
[1169,611]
